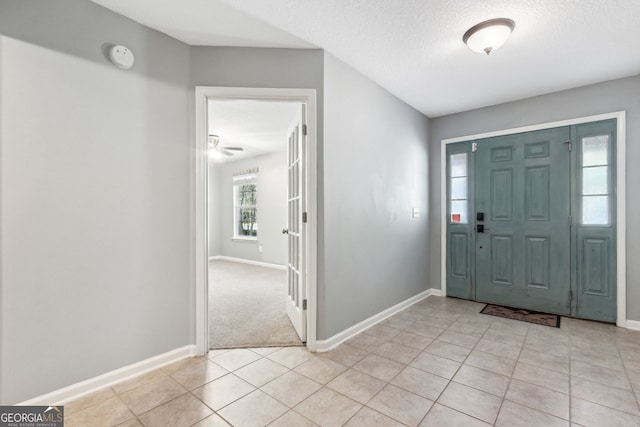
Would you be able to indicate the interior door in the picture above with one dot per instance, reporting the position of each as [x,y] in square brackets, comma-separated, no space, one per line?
[522,220]
[296,233]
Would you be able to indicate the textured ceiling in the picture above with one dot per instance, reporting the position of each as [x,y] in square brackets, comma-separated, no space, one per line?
[257,127]
[414,48]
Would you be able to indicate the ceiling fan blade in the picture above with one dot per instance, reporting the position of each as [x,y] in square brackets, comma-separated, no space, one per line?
[233,148]
[226,153]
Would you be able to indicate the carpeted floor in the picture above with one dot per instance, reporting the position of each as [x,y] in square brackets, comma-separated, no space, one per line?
[247,307]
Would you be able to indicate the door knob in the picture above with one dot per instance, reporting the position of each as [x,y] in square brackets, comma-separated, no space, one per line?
[285,231]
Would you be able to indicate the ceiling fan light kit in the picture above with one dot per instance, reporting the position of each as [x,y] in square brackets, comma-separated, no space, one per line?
[488,36]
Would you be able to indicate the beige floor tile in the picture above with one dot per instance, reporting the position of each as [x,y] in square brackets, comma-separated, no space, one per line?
[497,364]
[412,340]
[264,351]
[291,388]
[481,379]
[470,401]
[152,394]
[509,326]
[181,364]
[441,416]
[254,410]
[504,337]
[291,356]
[606,376]
[421,383]
[328,408]
[366,342]
[261,372]
[593,415]
[401,405]
[545,360]
[515,415]
[110,412]
[219,393]
[437,365]
[367,417]
[181,412]
[473,329]
[383,332]
[475,319]
[498,349]
[345,354]
[292,419]
[379,367]
[397,352]
[397,323]
[321,369]
[236,358]
[217,352]
[459,339]
[133,422]
[542,377]
[592,357]
[197,374]
[604,395]
[435,321]
[137,381]
[212,421]
[424,329]
[88,400]
[450,351]
[357,386]
[540,398]
[549,347]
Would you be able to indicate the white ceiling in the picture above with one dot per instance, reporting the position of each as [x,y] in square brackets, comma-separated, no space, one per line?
[414,48]
[258,127]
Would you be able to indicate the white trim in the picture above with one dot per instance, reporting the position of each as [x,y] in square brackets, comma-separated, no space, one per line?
[305,96]
[85,387]
[248,261]
[633,325]
[339,338]
[621,224]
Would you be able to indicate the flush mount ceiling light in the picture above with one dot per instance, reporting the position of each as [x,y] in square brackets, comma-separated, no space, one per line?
[487,36]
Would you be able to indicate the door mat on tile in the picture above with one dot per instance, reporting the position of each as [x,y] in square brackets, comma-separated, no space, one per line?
[530,316]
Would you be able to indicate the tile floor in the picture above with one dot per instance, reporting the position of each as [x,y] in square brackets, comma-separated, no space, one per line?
[437,363]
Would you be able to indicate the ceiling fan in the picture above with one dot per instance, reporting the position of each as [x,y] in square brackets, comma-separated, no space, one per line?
[215,147]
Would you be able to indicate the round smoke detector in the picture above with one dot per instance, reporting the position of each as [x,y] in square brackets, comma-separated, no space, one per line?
[121,57]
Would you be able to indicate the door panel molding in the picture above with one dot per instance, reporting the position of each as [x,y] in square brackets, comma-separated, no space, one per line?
[621,140]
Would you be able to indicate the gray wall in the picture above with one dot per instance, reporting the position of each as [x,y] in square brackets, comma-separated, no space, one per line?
[617,95]
[95,196]
[271,204]
[375,155]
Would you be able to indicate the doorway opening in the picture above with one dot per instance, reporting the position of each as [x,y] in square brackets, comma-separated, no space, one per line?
[255,218]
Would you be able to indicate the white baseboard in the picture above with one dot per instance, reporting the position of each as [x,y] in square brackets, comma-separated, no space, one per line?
[83,388]
[248,261]
[633,325]
[339,338]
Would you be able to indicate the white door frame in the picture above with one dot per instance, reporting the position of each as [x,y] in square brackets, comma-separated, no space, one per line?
[202,94]
[621,225]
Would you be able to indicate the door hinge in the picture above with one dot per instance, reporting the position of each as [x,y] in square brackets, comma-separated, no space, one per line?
[474,147]
[304,217]
[304,129]
[570,295]
[569,145]
[304,304]
[570,220]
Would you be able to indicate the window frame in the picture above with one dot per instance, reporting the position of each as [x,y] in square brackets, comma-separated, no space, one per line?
[239,181]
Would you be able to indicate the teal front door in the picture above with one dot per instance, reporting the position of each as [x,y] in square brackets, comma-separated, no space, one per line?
[522,221]
[531,220]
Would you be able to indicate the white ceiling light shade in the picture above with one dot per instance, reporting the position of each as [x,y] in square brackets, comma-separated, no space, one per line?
[488,36]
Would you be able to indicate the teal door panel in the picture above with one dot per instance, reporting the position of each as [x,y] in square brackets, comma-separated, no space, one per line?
[459,231]
[595,225]
[522,192]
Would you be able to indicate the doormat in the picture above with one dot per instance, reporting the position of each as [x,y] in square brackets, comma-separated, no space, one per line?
[530,316]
